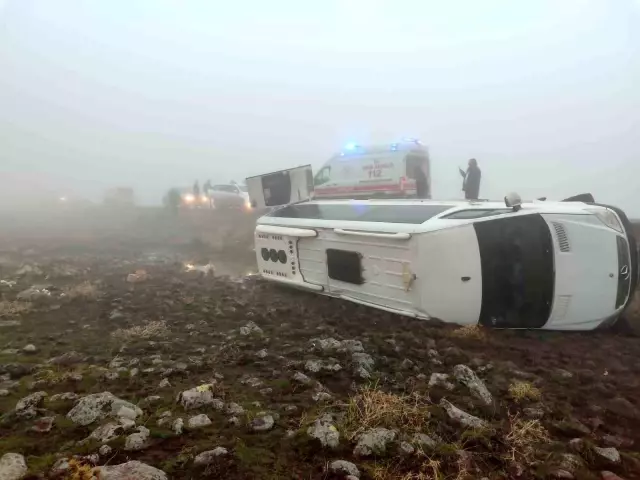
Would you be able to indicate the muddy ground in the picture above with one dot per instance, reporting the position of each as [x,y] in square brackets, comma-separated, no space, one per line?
[288,382]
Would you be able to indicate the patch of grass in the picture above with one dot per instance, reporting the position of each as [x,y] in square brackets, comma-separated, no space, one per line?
[13,309]
[42,464]
[152,329]
[520,391]
[475,332]
[523,436]
[372,407]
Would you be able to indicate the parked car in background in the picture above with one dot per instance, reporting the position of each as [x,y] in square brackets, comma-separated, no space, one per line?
[229,195]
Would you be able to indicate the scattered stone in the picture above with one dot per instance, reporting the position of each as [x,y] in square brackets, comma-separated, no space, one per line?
[199,421]
[64,397]
[43,425]
[562,474]
[30,348]
[67,359]
[615,441]
[106,433]
[606,475]
[4,393]
[234,409]
[609,454]
[576,444]
[33,294]
[138,277]
[572,427]
[440,380]
[250,328]
[570,462]
[30,402]
[342,467]
[324,431]
[363,363]
[110,376]
[105,450]
[164,383]
[150,400]
[98,406]
[313,366]
[198,397]
[467,377]
[208,457]
[178,426]
[262,353]
[424,441]
[12,466]
[234,421]
[133,469]
[407,364]
[302,378]
[321,397]
[462,417]
[262,423]
[137,441]
[374,441]
[253,382]
[405,448]
[562,373]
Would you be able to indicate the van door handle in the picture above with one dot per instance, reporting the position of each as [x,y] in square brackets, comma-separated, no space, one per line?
[392,236]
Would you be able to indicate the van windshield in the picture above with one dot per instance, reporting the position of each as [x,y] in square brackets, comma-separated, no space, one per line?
[413,214]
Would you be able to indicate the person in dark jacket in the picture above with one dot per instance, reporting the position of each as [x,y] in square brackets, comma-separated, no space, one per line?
[471,180]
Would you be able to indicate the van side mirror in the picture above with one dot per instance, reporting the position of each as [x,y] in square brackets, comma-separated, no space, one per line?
[513,201]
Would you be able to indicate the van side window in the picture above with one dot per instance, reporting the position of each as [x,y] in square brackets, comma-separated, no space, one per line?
[475,213]
[323,176]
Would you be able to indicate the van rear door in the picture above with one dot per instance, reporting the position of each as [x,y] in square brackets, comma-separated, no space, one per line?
[281,187]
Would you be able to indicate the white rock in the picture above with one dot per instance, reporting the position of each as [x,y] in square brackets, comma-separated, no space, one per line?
[321,397]
[130,470]
[107,432]
[105,450]
[30,348]
[302,378]
[440,380]
[4,392]
[313,366]
[234,409]
[423,440]
[250,328]
[98,406]
[137,441]
[374,441]
[323,430]
[178,426]
[127,412]
[199,421]
[208,457]
[462,417]
[262,423]
[262,353]
[31,401]
[164,383]
[12,466]
[64,397]
[467,377]
[198,397]
[611,454]
[342,467]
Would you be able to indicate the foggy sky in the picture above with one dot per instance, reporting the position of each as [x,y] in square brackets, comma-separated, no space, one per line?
[157,93]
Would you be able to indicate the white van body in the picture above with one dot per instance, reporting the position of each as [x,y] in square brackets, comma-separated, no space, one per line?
[375,171]
[548,265]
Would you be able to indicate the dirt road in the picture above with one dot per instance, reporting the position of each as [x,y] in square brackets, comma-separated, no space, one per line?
[210,376]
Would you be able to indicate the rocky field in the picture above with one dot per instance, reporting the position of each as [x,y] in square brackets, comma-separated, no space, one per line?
[124,356]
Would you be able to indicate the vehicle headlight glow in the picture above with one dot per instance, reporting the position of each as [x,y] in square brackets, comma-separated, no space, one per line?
[204,198]
[609,218]
[189,198]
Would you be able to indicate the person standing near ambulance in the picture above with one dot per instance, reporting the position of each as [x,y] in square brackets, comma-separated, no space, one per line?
[471,180]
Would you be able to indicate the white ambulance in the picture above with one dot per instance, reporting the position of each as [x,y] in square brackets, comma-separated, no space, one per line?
[396,170]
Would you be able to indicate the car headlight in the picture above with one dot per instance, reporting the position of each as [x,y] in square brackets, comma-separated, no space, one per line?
[189,198]
[247,205]
[204,198]
[609,218]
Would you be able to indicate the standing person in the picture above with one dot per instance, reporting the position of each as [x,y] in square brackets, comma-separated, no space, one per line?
[196,189]
[471,180]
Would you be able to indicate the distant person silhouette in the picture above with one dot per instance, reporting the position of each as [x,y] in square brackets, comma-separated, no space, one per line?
[471,180]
